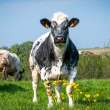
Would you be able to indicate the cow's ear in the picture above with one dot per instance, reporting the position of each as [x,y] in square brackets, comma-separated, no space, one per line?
[45,22]
[73,22]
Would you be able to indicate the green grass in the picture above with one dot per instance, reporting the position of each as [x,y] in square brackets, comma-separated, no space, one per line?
[18,96]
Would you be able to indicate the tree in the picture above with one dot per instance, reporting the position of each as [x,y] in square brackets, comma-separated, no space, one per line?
[23,51]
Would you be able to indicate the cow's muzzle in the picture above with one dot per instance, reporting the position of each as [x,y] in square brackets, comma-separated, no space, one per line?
[59,39]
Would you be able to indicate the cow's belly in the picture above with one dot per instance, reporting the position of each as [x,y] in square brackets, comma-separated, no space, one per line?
[1,68]
[54,73]
[10,71]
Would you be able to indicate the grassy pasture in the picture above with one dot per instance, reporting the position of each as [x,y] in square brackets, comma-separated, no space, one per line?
[93,94]
[18,96]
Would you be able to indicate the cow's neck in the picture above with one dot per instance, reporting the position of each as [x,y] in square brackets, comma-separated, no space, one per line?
[60,49]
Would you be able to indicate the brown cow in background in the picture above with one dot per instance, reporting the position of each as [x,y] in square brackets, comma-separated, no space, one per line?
[9,64]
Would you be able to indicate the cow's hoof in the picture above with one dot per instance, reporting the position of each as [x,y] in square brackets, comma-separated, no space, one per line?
[34,99]
[58,101]
[71,105]
[50,105]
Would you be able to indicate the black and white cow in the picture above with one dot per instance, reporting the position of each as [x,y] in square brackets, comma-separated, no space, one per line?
[54,56]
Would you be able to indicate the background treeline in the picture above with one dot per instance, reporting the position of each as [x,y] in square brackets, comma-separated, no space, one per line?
[89,66]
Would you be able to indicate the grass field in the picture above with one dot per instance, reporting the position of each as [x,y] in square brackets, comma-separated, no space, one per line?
[89,95]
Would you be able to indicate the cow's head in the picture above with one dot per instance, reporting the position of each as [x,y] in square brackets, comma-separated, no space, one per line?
[59,26]
[3,62]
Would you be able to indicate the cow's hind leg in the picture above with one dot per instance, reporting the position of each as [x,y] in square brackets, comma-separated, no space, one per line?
[35,80]
[69,88]
[48,87]
[17,75]
[58,85]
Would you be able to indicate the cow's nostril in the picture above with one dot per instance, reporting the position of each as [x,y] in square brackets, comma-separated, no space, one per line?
[62,39]
[59,39]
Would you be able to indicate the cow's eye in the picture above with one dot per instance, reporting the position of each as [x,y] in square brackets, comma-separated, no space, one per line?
[65,27]
[53,24]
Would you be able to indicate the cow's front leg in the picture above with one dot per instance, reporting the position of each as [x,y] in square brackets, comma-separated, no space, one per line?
[35,80]
[5,75]
[58,85]
[48,87]
[69,88]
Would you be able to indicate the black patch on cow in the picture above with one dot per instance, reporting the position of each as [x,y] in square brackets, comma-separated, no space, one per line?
[45,55]
[38,43]
[71,55]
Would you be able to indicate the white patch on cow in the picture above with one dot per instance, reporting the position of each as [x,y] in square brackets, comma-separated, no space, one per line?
[34,90]
[47,74]
[52,73]
[43,74]
[55,70]
[59,17]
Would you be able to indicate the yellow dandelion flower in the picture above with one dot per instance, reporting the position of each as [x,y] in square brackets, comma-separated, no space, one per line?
[46,82]
[94,100]
[75,87]
[81,92]
[64,81]
[73,84]
[97,95]
[49,93]
[64,84]
[59,82]
[54,82]
[78,89]
[87,108]
[70,94]
[62,108]
[62,97]
[69,85]
[84,99]
[87,95]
